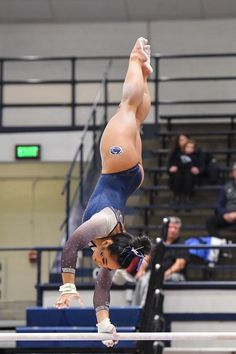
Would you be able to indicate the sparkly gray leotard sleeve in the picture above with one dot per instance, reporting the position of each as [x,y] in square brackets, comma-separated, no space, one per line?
[99,225]
[101,297]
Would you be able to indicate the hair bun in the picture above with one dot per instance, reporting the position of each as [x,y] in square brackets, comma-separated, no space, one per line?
[144,242]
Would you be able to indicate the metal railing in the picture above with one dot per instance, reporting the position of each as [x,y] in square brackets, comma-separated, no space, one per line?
[92,125]
[72,81]
[43,249]
[157,80]
[194,79]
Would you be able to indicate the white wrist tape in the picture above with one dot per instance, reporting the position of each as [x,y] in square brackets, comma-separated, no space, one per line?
[68,288]
[105,326]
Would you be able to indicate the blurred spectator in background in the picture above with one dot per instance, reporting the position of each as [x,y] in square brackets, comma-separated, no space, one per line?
[209,170]
[180,140]
[173,265]
[187,164]
[175,260]
[225,214]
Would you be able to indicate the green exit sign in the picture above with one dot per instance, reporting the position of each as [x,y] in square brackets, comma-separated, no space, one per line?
[27,152]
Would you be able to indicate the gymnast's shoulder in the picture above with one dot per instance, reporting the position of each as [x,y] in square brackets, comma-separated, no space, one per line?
[108,218]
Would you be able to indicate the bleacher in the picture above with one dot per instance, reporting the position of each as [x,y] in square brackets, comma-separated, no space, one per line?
[155,200]
[224,117]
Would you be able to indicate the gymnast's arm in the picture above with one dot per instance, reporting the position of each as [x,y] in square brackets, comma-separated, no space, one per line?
[99,225]
[101,298]
[101,301]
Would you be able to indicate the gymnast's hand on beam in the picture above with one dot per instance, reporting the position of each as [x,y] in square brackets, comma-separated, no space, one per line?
[105,326]
[68,294]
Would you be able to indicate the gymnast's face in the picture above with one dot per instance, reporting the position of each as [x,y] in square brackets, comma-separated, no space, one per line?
[102,256]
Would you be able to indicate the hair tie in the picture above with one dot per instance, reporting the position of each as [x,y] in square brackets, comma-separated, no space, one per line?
[135,251]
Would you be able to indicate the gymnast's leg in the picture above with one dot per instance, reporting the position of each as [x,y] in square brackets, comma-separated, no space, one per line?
[141,115]
[122,131]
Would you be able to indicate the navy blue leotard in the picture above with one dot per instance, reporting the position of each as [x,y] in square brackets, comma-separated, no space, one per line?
[113,190]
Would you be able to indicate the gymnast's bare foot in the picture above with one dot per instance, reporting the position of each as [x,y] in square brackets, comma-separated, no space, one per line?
[147,68]
[142,51]
[138,50]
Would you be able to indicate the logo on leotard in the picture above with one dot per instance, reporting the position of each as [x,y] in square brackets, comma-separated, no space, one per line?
[116,150]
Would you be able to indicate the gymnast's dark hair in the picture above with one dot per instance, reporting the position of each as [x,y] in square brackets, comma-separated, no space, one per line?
[126,247]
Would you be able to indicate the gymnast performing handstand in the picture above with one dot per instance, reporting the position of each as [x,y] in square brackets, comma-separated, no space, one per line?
[122,173]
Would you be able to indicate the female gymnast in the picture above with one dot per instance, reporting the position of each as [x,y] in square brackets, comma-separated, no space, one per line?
[122,173]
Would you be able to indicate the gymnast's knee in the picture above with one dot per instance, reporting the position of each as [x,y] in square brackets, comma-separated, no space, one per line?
[127,105]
